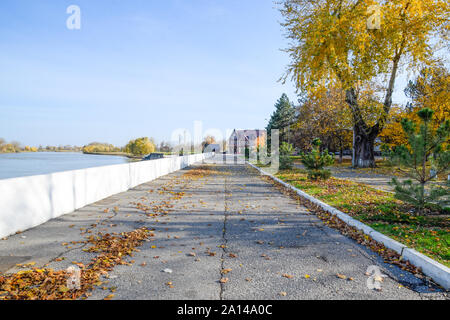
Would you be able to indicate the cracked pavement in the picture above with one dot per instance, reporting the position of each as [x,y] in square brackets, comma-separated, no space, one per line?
[227,219]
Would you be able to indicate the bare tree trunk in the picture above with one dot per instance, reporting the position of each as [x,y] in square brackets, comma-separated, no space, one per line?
[364,149]
[363,137]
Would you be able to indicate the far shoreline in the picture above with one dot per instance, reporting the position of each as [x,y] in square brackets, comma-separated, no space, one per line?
[40,151]
[121,154]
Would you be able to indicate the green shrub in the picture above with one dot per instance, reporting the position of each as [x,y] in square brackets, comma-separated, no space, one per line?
[315,161]
[247,153]
[140,146]
[323,174]
[427,154]
[286,161]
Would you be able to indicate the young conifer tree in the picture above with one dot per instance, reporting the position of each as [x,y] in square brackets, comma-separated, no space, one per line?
[426,155]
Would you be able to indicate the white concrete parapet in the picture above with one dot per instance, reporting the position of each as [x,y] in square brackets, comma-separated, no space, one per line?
[26,202]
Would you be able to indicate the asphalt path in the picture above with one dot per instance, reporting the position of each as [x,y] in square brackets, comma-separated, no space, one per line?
[223,233]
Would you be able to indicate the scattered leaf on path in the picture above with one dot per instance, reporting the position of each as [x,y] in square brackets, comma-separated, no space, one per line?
[223,280]
[225,271]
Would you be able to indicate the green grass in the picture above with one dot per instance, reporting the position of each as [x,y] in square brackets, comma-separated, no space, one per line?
[427,234]
[383,167]
[434,242]
[260,165]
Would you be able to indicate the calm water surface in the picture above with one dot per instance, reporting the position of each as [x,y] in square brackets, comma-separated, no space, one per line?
[32,163]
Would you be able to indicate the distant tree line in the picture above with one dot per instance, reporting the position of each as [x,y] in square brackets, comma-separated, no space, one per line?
[15,147]
[11,147]
[59,148]
[96,147]
[136,147]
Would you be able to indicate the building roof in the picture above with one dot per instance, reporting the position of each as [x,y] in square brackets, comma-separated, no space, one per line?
[248,134]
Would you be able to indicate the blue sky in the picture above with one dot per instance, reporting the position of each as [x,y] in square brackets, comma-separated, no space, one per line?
[137,68]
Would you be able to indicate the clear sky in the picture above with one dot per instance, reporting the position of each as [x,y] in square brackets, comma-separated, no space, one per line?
[137,68]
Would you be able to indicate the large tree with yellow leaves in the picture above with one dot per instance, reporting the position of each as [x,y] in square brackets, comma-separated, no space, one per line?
[338,40]
[324,114]
[431,89]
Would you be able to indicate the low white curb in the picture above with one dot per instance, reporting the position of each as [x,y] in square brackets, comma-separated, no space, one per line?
[435,270]
[438,272]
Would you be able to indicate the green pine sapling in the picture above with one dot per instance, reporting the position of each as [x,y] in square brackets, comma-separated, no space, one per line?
[315,161]
[286,150]
[426,156]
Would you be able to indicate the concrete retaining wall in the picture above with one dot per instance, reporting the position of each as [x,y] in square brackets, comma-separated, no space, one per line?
[26,202]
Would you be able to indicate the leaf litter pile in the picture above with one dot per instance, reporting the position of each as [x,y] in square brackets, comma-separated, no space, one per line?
[48,284]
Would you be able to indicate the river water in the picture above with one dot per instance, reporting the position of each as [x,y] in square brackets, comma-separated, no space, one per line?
[33,163]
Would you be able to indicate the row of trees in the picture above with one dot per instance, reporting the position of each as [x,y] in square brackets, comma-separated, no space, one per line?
[14,146]
[59,148]
[98,147]
[323,113]
[138,147]
[332,46]
[9,147]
